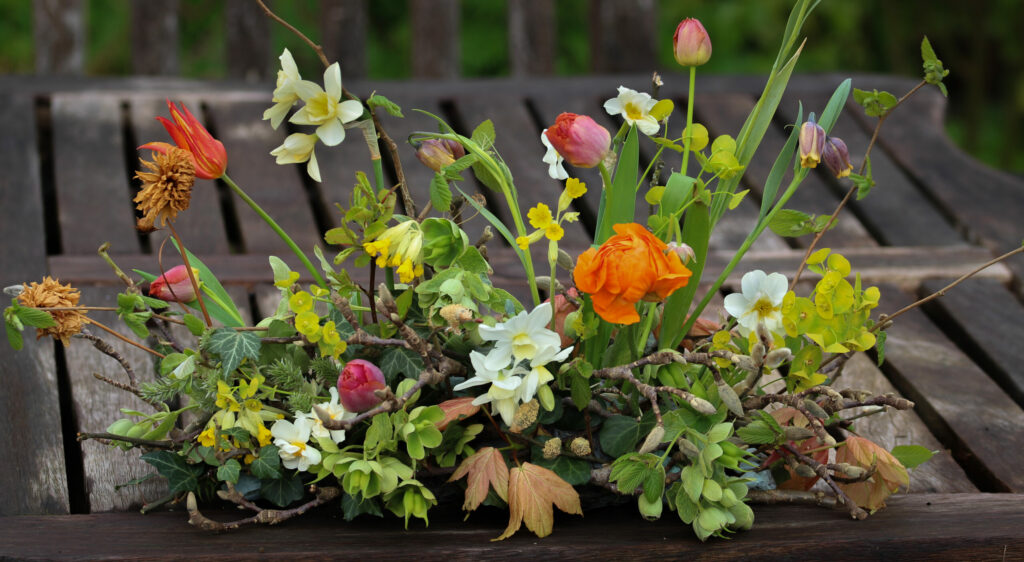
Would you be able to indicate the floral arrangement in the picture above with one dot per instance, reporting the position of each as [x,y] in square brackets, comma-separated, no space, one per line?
[606,375]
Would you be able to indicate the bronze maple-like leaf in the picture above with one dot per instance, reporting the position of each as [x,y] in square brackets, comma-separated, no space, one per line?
[484,469]
[532,490]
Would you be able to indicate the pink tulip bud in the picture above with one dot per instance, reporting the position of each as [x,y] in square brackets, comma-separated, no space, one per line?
[357,383]
[579,139]
[174,285]
[837,157]
[691,43]
[438,153]
[812,143]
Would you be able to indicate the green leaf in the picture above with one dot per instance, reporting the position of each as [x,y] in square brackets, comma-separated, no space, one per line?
[880,337]
[771,185]
[912,456]
[377,100]
[13,335]
[486,175]
[619,435]
[440,193]
[617,206]
[580,389]
[229,471]
[398,362]
[791,223]
[483,135]
[222,308]
[181,476]
[194,325]
[573,471]
[352,507]
[233,346]
[756,433]
[267,464]
[669,144]
[282,491]
[136,322]
[495,221]
[35,317]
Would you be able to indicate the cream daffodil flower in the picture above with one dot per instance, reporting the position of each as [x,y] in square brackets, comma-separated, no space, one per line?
[297,148]
[760,302]
[553,159]
[524,336]
[285,94]
[325,109]
[292,443]
[336,412]
[503,390]
[635,108]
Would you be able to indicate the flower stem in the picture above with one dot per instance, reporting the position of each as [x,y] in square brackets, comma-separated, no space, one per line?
[689,116]
[191,274]
[276,228]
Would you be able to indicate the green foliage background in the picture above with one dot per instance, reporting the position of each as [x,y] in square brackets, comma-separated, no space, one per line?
[976,40]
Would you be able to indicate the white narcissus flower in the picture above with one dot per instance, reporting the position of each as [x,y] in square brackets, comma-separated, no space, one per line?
[325,109]
[553,159]
[538,373]
[635,107]
[297,148]
[292,441]
[336,412]
[285,94]
[524,336]
[503,390]
[759,303]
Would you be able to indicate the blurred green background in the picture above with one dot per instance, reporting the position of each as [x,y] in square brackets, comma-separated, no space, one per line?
[976,40]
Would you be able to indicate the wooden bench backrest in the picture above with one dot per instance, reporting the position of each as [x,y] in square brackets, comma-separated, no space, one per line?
[60,29]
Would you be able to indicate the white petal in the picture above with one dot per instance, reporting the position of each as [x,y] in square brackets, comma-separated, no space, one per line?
[332,132]
[313,169]
[751,283]
[613,106]
[332,81]
[306,89]
[507,409]
[648,125]
[468,383]
[349,110]
[311,455]
[302,117]
[736,304]
[288,64]
[508,383]
[775,286]
[276,114]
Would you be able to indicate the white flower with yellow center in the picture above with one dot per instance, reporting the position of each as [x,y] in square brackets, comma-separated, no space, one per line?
[553,159]
[325,109]
[538,374]
[503,390]
[285,94]
[292,441]
[635,107]
[298,148]
[759,303]
[336,412]
[524,336]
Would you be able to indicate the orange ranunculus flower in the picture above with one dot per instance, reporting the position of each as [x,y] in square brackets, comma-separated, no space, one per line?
[630,266]
[208,155]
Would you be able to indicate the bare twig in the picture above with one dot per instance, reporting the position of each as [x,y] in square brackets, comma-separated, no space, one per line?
[108,350]
[168,445]
[264,516]
[822,471]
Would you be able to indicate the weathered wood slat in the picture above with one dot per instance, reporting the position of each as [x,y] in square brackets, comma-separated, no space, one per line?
[343,28]
[435,29]
[58,31]
[982,315]
[248,41]
[90,173]
[915,526]
[155,38]
[958,401]
[531,37]
[621,36]
[36,483]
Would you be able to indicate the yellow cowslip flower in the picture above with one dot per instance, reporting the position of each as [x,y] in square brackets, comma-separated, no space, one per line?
[540,216]
[226,398]
[208,437]
[524,241]
[554,231]
[400,246]
[574,189]
[264,436]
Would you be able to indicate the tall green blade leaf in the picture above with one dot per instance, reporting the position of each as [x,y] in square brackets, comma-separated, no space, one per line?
[621,198]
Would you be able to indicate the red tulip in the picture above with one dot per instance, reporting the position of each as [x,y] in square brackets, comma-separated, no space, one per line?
[208,154]
[357,383]
[174,285]
[579,139]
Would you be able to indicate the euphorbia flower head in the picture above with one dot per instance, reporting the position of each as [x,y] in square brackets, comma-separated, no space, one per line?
[579,139]
[812,143]
[174,285]
[357,383]
[208,154]
[691,44]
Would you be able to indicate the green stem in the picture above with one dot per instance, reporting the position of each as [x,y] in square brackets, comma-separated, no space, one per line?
[645,330]
[689,116]
[603,231]
[276,228]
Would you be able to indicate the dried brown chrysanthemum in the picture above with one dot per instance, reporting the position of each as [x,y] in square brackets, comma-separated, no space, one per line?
[166,188]
[50,293]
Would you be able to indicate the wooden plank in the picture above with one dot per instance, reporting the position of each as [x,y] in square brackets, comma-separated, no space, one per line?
[90,174]
[149,20]
[278,189]
[941,473]
[986,320]
[621,37]
[248,41]
[343,29]
[95,406]
[201,226]
[531,37]
[435,38]
[36,482]
[58,33]
[916,526]
[965,409]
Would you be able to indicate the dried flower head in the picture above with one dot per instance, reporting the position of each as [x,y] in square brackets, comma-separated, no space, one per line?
[580,447]
[166,187]
[48,294]
[552,448]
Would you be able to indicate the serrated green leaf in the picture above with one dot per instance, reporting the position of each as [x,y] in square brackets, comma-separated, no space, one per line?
[282,491]
[136,322]
[912,456]
[13,335]
[440,193]
[195,326]
[35,317]
[377,100]
[229,471]
[756,433]
[483,135]
[181,476]
[233,346]
[267,464]
[473,261]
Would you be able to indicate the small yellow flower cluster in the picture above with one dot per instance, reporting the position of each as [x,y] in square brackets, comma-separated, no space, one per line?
[307,322]
[239,407]
[549,226]
[400,246]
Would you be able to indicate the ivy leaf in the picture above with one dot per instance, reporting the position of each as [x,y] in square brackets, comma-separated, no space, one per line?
[267,464]
[181,476]
[377,100]
[574,471]
[483,135]
[352,507]
[484,469]
[457,409]
[619,435]
[232,347]
[229,471]
[398,361]
[440,193]
[912,456]
[282,491]
[533,491]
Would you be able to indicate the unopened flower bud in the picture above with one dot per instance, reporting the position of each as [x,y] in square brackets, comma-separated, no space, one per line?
[684,251]
[837,157]
[564,260]
[438,153]
[174,285]
[687,447]
[794,433]
[580,446]
[357,385]
[653,439]
[745,362]
[691,44]
[757,352]
[812,144]
[777,357]
[814,409]
[579,139]
[552,448]
[805,471]
[852,471]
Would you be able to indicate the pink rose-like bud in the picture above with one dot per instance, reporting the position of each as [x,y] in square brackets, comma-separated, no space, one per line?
[357,383]
[691,43]
[812,143]
[438,153]
[579,139]
[174,285]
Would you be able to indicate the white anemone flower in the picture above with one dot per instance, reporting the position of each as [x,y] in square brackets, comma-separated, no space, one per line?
[503,389]
[522,337]
[285,94]
[635,107]
[759,303]
[553,159]
[325,109]
[298,148]
[336,412]
[292,440]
